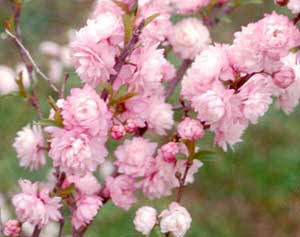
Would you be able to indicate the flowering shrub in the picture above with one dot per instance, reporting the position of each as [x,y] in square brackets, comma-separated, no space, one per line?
[120,56]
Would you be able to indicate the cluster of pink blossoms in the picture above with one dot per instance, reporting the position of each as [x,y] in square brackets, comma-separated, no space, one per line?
[228,86]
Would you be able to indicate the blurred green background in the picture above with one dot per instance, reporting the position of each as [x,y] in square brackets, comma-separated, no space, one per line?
[252,191]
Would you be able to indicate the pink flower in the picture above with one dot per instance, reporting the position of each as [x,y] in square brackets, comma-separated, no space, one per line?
[189,6]
[190,129]
[117,131]
[84,109]
[189,38]
[35,205]
[12,228]
[130,126]
[134,157]
[86,210]
[95,48]
[256,96]
[76,152]
[121,190]
[7,82]
[294,6]
[176,220]
[169,151]
[29,145]
[145,219]
[284,77]
[86,185]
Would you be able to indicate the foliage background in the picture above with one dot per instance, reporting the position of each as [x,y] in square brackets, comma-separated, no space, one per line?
[253,191]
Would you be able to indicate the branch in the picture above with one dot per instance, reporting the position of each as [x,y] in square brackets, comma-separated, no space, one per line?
[62,89]
[180,73]
[296,19]
[121,60]
[182,180]
[36,232]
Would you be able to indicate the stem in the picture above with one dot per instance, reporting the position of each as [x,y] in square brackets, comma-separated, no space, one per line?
[121,60]
[182,180]
[296,19]
[36,232]
[61,226]
[62,89]
[181,71]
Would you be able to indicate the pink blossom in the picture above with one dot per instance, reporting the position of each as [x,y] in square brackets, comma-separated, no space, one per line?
[294,6]
[117,131]
[169,151]
[189,6]
[256,96]
[121,190]
[134,157]
[95,48]
[35,205]
[145,219]
[50,48]
[284,77]
[189,38]
[76,152]
[84,109]
[130,126]
[190,129]
[176,220]
[29,145]
[86,210]
[7,82]
[12,228]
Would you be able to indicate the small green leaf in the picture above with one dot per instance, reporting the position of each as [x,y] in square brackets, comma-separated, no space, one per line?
[20,84]
[181,156]
[246,2]
[107,86]
[49,122]
[225,18]
[190,145]
[123,98]
[123,89]
[149,19]
[128,22]
[65,192]
[122,5]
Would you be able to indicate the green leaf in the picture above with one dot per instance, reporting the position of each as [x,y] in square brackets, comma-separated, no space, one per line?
[225,18]
[123,89]
[20,84]
[122,5]
[181,156]
[246,2]
[149,19]
[65,192]
[123,98]
[204,153]
[128,22]
[49,122]
[107,86]
[190,145]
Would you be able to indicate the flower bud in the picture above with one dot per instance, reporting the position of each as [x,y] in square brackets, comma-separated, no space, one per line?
[176,220]
[284,78]
[169,151]
[12,228]
[145,219]
[117,131]
[130,126]
[281,2]
[190,129]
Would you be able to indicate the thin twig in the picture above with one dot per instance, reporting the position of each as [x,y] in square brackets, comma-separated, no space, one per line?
[182,180]
[121,60]
[61,226]
[181,71]
[62,89]
[29,57]
[296,19]
[36,232]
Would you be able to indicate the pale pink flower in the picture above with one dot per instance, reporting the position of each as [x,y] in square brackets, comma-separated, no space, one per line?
[7,82]
[145,219]
[12,228]
[85,185]
[76,152]
[29,145]
[284,77]
[50,48]
[176,220]
[55,72]
[104,6]
[169,151]
[95,47]
[256,96]
[84,109]
[35,205]
[189,6]
[189,38]
[190,129]
[134,157]
[117,131]
[121,190]
[86,209]
[107,168]
[294,6]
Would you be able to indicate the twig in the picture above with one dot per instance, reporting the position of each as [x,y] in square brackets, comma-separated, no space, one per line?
[296,19]
[61,226]
[181,71]
[121,60]
[182,180]
[36,232]
[62,89]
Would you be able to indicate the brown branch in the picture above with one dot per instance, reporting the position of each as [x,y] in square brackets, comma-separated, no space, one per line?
[180,73]
[36,232]
[296,19]
[121,60]
[182,180]
[62,89]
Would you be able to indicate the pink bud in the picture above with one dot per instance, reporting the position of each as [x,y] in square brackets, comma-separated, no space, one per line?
[281,2]
[190,129]
[12,228]
[169,151]
[130,126]
[284,78]
[118,131]
[145,219]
